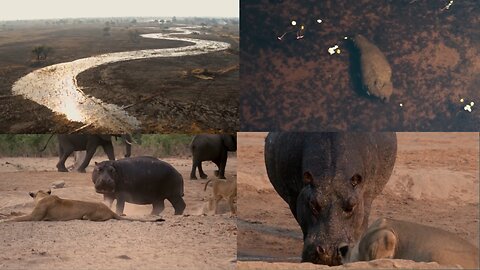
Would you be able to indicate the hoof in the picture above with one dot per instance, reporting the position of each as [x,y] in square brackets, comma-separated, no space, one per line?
[204,176]
[193,178]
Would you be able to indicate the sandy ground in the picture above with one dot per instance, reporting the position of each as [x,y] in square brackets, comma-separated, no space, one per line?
[435,182]
[191,241]
[56,86]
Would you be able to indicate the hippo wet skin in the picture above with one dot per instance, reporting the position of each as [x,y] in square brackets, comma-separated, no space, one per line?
[139,180]
[329,181]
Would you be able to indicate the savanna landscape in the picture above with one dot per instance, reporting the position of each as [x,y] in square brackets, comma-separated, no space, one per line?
[198,239]
[191,93]
[434,182]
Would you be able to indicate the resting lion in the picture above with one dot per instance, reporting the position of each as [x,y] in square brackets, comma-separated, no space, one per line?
[52,208]
[222,189]
[395,239]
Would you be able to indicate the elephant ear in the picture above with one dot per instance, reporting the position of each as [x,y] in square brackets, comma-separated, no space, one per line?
[230,142]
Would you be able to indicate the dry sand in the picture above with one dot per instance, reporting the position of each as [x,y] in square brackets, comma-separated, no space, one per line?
[434,182]
[56,86]
[191,241]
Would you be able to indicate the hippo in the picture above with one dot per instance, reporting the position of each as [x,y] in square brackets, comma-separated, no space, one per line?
[399,239]
[329,181]
[139,180]
[375,70]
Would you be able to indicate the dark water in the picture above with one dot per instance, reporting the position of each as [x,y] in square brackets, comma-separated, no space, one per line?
[295,84]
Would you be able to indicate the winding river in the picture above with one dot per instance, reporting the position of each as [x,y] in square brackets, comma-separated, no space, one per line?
[56,88]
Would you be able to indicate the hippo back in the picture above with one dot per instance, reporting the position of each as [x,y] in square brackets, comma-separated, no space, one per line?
[147,176]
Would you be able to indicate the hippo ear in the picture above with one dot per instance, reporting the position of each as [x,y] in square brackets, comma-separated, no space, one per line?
[307,178]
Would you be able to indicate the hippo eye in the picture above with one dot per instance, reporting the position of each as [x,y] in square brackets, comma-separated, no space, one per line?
[356,179]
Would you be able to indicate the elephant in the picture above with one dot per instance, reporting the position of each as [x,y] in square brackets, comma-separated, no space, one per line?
[211,147]
[68,143]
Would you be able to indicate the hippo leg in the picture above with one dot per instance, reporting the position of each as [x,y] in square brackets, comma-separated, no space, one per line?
[200,171]
[158,207]
[120,205]
[108,200]
[178,204]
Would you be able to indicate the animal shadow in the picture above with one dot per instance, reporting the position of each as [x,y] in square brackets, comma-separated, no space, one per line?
[355,69]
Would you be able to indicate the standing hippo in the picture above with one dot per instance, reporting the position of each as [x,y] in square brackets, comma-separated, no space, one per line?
[329,180]
[139,180]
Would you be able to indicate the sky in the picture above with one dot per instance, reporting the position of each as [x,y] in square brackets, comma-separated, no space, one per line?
[53,9]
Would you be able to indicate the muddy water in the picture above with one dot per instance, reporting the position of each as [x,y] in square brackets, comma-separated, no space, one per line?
[295,84]
[56,86]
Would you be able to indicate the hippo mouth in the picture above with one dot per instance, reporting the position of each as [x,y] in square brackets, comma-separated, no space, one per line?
[104,191]
[316,256]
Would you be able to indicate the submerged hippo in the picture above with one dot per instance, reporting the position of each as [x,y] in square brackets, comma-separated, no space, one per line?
[397,239]
[139,180]
[329,180]
[376,72]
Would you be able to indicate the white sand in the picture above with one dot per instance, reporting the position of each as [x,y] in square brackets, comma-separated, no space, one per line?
[56,86]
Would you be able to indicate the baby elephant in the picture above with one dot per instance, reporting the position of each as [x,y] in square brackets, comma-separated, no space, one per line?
[222,189]
[395,239]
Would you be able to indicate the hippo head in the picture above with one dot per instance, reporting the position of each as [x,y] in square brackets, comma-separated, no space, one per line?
[104,176]
[334,203]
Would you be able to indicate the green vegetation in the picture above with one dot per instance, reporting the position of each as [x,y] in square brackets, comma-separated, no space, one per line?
[29,145]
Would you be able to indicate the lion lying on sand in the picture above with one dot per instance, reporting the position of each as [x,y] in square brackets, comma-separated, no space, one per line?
[396,239]
[52,208]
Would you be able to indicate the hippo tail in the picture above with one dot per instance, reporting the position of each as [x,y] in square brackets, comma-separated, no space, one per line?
[206,184]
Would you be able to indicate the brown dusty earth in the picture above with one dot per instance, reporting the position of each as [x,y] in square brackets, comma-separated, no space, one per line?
[162,94]
[190,241]
[296,85]
[434,182]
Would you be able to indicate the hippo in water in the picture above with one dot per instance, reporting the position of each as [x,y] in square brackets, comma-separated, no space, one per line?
[375,69]
[329,180]
[139,180]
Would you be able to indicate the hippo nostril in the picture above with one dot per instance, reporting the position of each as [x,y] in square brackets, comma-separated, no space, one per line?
[321,250]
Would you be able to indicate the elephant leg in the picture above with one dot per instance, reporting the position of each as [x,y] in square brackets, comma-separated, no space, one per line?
[86,161]
[178,204]
[158,207]
[108,149]
[63,153]
[194,168]
[222,165]
[200,171]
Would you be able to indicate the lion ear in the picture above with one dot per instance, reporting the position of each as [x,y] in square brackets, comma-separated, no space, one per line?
[32,194]
[96,163]
[49,192]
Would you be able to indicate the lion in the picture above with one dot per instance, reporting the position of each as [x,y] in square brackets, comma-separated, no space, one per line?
[50,207]
[222,189]
[396,239]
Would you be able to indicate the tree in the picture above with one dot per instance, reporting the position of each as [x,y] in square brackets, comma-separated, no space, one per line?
[42,52]
[134,36]
[106,31]
[174,19]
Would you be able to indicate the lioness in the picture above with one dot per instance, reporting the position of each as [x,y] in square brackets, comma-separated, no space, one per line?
[395,239]
[52,208]
[222,189]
